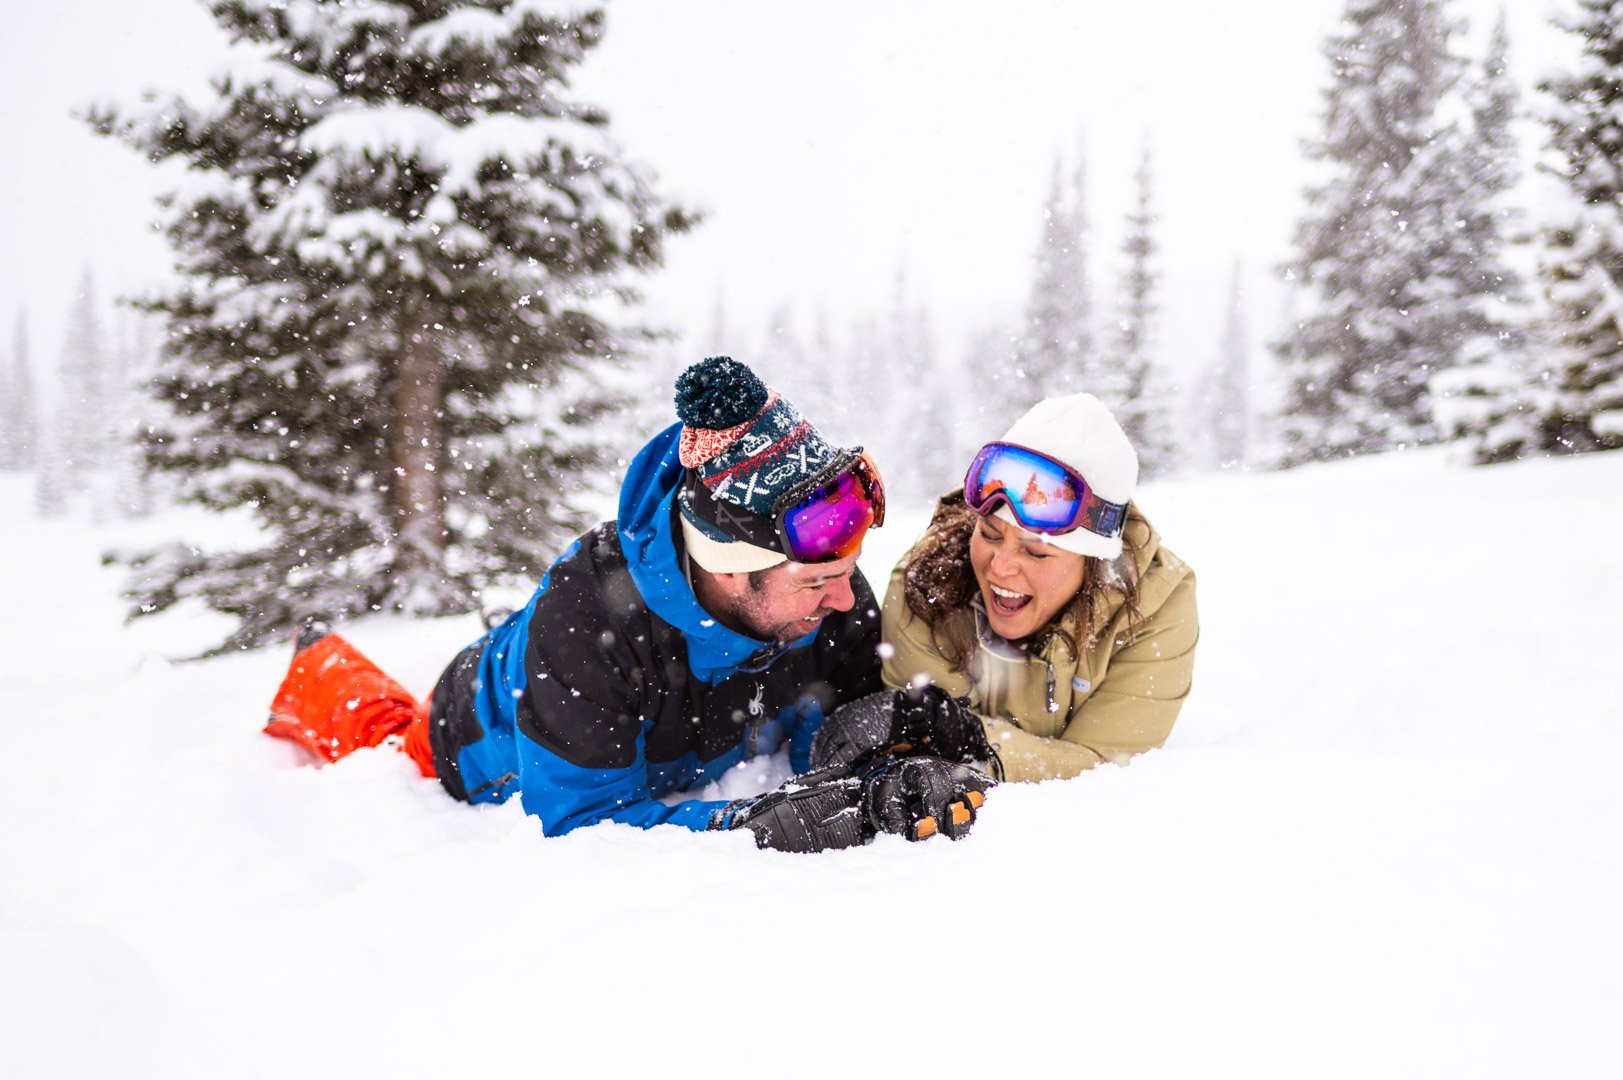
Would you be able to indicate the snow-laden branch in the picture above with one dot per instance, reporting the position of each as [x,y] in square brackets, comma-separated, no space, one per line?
[324,21]
[260,66]
[412,132]
[486,28]
[490,30]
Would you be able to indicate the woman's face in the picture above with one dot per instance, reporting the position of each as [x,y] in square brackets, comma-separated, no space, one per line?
[1023,581]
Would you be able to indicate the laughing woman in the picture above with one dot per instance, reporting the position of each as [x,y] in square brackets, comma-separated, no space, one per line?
[1042,599]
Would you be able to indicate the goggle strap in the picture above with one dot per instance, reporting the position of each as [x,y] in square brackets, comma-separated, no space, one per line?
[1105,518]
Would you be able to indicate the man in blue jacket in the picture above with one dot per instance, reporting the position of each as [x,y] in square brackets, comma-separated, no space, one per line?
[721,617]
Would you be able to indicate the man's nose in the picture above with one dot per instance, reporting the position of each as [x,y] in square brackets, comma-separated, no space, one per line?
[838,595]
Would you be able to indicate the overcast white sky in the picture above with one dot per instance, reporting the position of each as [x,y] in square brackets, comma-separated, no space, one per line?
[831,144]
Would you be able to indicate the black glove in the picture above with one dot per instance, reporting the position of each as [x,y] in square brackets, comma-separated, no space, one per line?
[917,797]
[897,722]
[814,812]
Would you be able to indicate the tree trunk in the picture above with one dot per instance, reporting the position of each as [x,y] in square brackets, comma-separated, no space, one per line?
[417,443]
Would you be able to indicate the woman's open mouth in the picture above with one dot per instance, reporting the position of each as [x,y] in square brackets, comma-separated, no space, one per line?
[1006,601]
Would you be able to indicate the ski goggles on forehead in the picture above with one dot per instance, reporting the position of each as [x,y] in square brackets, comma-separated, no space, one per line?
[821,519]
[825,518]
[1044,495]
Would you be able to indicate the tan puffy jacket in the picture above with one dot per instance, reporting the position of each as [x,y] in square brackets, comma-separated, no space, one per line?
[1055,714]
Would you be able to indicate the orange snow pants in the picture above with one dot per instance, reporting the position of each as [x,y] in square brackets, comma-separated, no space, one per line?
[335,701]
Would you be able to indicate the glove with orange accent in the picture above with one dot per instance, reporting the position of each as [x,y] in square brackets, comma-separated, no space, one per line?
[917,797]
[923,720]
[813,812]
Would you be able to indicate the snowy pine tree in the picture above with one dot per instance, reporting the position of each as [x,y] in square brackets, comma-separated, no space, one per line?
[404,243]
[889,396]
[782,360]
[1223,403]
[1379,249]
[1056,343]
[19,407]
[785,361]
[989,369]
[130,491]
[1582,250]
[813,375]
[833,395]
[868,367]
[720,341]
[1488,399]
[921,430]
[79,426]
[53,478]
[1136,391]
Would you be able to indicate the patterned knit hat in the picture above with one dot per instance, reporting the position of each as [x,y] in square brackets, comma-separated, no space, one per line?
[744,446]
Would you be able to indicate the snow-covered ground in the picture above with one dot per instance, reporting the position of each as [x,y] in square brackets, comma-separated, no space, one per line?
[1383,841]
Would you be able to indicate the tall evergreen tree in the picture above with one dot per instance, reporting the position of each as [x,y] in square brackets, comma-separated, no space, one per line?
[19,407]
[1224,406]
[993,391]
[864,356]
[1489,399]
[80,435]
[784,360]
[1379,247]
[130,492]
[821,388]
[1056,344]
[1582,250]
[823,360]
[783,356]
[1139,395]
[53,478]
[896,412]
[404,244]
[721,329]
[921,429]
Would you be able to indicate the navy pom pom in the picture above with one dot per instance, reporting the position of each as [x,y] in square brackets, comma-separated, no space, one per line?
[718,392]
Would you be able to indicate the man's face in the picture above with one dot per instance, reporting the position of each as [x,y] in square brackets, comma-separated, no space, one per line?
[790,601]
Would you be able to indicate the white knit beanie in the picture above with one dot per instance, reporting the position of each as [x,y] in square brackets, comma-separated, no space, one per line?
[1080,432]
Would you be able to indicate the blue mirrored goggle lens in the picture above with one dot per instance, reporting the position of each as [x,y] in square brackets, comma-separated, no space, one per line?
[1041,493]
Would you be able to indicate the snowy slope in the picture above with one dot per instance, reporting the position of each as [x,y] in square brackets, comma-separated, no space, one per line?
[1383,841]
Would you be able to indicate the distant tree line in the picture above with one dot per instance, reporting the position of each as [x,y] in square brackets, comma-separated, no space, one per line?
[924,409]
[82,446]
[1410,323]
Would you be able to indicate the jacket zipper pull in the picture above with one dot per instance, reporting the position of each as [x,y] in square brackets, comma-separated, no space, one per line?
[1053,701]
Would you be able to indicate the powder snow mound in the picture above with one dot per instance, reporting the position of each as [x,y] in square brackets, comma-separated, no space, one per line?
[1390,806]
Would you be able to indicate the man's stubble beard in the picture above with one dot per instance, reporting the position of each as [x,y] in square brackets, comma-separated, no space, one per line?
[746,614]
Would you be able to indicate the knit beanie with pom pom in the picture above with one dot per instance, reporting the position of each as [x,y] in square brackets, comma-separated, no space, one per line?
[744,446]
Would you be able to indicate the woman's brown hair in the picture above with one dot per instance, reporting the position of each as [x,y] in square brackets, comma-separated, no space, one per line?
[939,582]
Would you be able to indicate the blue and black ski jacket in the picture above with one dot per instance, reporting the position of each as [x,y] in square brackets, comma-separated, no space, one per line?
[612,687]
